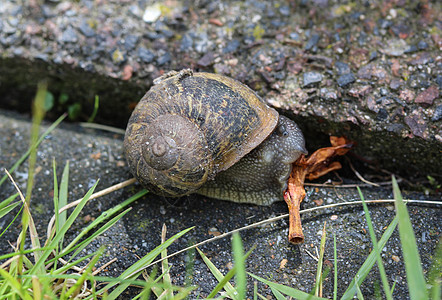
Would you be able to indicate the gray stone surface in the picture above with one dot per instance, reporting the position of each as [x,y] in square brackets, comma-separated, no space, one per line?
[96,155]
[390,55]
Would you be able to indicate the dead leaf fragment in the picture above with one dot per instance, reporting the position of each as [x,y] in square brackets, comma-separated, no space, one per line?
[283,263]
[316,165]
[96,156]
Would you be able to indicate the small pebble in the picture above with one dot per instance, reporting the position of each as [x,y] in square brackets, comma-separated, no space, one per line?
[376,31]
[86,29]
[437,116]
[417,127]
[346,79]
[382,114]
[152,35]
[384,24]
[152,13]
[167,33]
[422,45]
[439,81]
[373,55]
[427,96]
[131,41]
[396,47]
[395,84]
[207,59]
[232,46]
[277,23]
[202,43]
[13,22]
[383,91]
[312,77]
[284,10]
[294,36]
[186,42]
[314,39]
[342,68]
[411,49]
[362,38]
[424,239]
[135,10]
[164,58]
[69,36]
[145,55]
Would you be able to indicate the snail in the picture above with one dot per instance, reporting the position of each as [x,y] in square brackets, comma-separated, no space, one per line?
[212,135]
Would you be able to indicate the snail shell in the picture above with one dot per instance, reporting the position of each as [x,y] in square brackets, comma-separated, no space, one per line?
[189,127]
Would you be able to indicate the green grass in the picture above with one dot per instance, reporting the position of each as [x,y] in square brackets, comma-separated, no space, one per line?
[51,270]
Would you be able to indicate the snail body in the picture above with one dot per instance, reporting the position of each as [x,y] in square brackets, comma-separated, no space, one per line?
[210,134]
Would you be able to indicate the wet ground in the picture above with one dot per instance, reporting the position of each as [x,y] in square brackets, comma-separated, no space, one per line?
[96,155]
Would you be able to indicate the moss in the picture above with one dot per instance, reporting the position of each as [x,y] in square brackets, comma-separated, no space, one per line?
[39,209]
[144,225]
[258,32]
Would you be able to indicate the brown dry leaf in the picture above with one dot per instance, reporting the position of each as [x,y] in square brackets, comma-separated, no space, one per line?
[316,165]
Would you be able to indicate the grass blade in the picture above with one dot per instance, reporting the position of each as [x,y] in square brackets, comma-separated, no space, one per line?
[369,262]
[6,210]
[77,286]
[376,249]
[359,292]
[62,200]
[297,294]
[26,221]
[136,269]
[221,284]
[277,294]
[59,235]
[80,246]
[12,254]
[103,217]
[14,284]
[434,278]
[13,220]
[7,201]
[24,156]
[319,278]
[36,288]
[168,291]
[335,279]
[56,201]
[217,273]
[66,267]
[413,267]
[94,112]
[238,257]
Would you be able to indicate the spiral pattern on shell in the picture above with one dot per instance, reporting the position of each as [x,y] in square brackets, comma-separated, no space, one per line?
[190,126]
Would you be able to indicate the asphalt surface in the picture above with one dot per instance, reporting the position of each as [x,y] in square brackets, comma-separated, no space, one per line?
[94,155]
